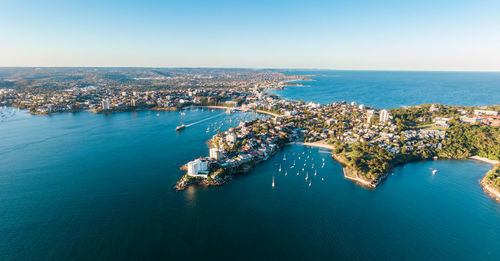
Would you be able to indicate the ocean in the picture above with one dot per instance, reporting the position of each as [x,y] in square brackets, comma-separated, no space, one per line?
[83,186]
[393,89]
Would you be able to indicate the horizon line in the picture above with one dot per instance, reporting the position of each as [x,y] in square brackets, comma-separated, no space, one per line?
[253,68]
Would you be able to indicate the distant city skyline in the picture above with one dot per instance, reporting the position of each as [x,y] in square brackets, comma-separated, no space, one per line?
[446,35]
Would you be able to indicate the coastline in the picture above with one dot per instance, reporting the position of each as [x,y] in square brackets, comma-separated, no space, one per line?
[485,160]
[488,188]
[491,191]
[348,173]
[239,108]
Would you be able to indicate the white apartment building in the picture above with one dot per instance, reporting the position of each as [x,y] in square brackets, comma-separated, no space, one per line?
[216,153]
[384,116]
[485,112]
[197,168]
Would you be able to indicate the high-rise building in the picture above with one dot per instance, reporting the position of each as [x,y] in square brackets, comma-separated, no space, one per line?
[105,104]
[216,153]
[369,115]
[231,137]
[384,116]
[196,166]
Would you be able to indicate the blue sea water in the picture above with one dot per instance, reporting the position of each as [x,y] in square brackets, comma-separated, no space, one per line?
[392,89]
[89,186]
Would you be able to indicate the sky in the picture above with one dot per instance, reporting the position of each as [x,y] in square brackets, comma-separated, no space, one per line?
[458,35]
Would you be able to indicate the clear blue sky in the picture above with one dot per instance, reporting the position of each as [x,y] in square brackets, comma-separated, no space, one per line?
[377,34]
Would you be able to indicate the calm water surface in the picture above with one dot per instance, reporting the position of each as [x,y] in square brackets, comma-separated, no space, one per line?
[92,187]
[392,89]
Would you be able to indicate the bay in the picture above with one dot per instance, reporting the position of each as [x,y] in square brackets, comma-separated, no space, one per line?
[89,186]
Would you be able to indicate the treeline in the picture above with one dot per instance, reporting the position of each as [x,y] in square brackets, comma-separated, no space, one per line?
[464,140]
[493,177]
[369,161]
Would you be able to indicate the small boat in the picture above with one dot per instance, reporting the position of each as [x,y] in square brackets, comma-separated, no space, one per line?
[292,166]
[322,179]
[312,167]
[284,157]
[307,175]
[273,182]
[315,172]
[180,127]
[299,157]
[286,172]
[309,183]
[279,168]
[298,173]
[434,172]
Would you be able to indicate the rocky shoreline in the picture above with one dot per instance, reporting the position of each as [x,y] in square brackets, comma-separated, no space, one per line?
[218,177]
[490,190]
[225,175]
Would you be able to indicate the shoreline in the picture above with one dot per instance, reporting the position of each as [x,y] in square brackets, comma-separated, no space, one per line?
[485,160]
[491,191]
[239,109]
[346,171]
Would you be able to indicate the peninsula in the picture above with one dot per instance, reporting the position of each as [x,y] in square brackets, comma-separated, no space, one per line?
[368,142]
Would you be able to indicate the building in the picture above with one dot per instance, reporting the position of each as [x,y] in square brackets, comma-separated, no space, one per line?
[105,104]
[369,115]
[197,168]
[442,122]
[216,153]
[331,121]
[231,138]
[485,112]
[434,108]
[471,120]
[384,116]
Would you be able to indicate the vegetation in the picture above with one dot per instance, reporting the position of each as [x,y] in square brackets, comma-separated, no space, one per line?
[466,140]
[492,178]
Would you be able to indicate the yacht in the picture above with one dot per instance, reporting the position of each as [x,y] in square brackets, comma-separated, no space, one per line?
[273,182]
